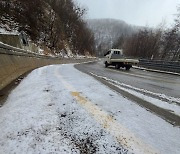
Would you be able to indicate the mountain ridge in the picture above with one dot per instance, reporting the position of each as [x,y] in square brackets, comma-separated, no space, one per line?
[108,30]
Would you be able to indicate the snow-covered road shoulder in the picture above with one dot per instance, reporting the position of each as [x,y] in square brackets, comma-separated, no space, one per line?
[57,109]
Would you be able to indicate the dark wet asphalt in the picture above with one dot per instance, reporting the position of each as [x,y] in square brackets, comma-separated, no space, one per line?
[167,84]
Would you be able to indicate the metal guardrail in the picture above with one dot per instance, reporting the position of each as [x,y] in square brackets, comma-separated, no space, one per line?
[10,50]
[15,62]
[169,66]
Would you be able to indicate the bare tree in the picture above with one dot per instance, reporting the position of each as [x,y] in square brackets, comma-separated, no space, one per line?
[50,22]
[171,41]
[144,44]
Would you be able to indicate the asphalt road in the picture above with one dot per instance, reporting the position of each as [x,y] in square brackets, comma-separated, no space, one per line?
[167,84]
[146,82]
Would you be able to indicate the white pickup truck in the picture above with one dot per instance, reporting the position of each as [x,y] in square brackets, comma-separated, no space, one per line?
[116,58]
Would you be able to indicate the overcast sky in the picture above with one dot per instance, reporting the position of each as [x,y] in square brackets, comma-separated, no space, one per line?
[137,12]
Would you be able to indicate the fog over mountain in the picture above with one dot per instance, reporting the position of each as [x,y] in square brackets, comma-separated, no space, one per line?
[107,31]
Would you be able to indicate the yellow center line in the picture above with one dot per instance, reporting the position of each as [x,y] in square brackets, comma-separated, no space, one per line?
[125,138]
[123,135]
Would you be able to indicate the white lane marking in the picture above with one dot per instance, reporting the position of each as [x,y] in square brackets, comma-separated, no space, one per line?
[169,99]
[170,106]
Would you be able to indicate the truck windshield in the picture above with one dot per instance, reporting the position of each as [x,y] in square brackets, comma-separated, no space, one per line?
[107,53]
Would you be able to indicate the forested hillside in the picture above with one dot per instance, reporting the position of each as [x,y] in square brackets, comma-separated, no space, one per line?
[158,43]
[107,32]
[56,24]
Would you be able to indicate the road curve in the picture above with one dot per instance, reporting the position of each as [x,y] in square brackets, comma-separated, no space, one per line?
[152,84]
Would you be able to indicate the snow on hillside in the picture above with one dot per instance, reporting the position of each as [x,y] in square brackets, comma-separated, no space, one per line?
[107,31]
[4,31]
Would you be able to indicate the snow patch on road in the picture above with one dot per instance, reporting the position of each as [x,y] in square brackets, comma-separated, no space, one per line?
[42,116]
[171,103]
[127,113]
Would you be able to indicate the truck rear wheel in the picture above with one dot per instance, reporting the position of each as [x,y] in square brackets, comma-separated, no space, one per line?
[106,64]
[128,67]
[117,66]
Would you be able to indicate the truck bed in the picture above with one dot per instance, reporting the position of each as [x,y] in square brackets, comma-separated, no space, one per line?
[125,60]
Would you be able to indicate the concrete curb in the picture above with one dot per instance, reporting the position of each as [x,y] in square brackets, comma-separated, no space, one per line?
[12,66]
